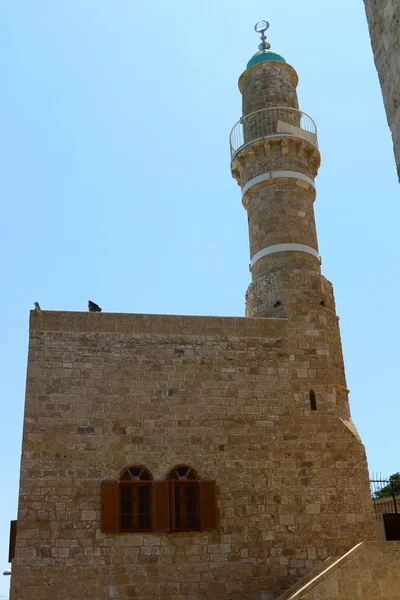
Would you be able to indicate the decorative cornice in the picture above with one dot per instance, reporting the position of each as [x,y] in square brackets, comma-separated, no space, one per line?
[261,148]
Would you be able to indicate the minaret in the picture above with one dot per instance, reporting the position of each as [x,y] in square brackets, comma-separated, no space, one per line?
[275,159]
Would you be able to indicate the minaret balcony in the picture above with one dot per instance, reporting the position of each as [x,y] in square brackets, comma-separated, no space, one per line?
[272,122]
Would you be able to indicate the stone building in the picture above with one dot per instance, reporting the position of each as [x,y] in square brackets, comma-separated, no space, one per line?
[384,24]
[200,457]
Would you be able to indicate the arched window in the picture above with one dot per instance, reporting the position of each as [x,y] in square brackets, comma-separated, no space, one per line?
[135,503]
[313,400]
[184,498]
[135,499]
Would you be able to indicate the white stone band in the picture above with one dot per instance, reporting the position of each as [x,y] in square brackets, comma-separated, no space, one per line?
[284,248]
[276,175]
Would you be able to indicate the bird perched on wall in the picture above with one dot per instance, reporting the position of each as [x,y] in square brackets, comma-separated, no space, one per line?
[37,307]
[93,307]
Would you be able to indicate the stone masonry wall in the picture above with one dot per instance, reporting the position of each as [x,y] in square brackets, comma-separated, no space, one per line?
[267,85]
[384,25]
[105,391]
[370,572]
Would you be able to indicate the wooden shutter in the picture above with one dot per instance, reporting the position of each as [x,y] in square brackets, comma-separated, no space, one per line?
[110,507]
[160,492]
[13,537]
[172,510]
[208,505]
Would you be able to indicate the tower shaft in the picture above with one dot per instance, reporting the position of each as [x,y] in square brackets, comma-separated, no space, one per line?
[275,159]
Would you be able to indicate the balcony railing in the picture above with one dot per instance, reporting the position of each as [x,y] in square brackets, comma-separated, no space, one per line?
[270,122]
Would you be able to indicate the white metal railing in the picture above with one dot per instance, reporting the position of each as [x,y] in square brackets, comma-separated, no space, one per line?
[269,122]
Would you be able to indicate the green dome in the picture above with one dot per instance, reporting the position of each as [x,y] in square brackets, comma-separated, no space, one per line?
[264,55]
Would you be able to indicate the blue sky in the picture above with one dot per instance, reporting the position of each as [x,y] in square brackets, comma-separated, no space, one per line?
[115,180]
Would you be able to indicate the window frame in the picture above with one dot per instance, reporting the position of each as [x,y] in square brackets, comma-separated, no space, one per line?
[134,484]
[135,514]
[183,481]
[182,486]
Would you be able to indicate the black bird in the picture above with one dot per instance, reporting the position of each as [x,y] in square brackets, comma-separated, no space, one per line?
[93,307]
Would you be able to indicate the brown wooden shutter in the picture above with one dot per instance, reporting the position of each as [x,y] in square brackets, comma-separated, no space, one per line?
[172,508]
[110,507]
[208,505]
[160,491]
[13,537]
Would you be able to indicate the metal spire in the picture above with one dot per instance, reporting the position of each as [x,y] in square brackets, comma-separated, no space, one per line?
[262,27]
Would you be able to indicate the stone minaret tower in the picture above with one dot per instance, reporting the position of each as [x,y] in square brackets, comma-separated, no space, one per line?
[275,159]
[200,457]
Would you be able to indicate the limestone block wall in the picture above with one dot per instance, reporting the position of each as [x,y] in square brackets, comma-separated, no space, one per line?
[369,571]
[274,212]
[105,391]
[268,85]
[384,24]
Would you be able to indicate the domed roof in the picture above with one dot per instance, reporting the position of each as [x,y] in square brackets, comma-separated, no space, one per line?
[264,55]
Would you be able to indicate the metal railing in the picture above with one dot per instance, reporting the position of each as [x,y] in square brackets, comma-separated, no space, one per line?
[270,122]
[386,496]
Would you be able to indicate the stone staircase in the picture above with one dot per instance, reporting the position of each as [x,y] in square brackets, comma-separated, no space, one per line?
[369,571]
[291,592]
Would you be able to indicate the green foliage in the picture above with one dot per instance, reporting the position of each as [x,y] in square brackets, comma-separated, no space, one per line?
[391,488]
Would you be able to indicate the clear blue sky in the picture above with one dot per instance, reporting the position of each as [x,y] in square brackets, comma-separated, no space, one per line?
[115,180]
